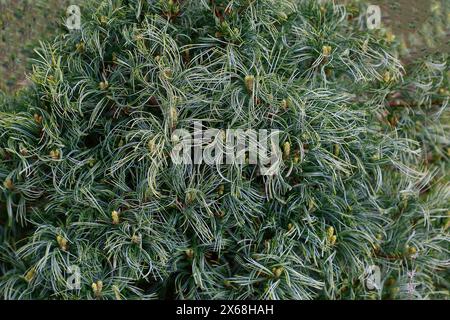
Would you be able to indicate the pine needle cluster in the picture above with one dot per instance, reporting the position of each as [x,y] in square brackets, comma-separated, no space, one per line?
[88,183]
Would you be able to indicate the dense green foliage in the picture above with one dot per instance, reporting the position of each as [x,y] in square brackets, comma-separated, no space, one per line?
[88,180]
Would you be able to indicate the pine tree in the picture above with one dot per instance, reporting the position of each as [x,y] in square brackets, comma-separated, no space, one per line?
[88,184]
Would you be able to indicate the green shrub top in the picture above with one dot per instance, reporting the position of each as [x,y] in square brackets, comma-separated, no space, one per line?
[89,184]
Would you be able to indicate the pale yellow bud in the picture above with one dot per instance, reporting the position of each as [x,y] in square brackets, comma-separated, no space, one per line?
[62,242]
[55,154]
[337,150]
[115,217]
[173,113]
[249,82]
[97,288]
[330,232]
[282,16]
[390,37]
[277,272]
[333,240]
[326,51]
[103,85]
[286,149]
[221,190]
[167,73]
[116,292]
[189,253]
[387,77]
[136,239]
[30,275]
[8,184]
[37,118]
[285,104]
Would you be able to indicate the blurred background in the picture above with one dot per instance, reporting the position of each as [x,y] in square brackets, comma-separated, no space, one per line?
[23,23]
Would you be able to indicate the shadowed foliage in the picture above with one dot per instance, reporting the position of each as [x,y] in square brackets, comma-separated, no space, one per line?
[88,183]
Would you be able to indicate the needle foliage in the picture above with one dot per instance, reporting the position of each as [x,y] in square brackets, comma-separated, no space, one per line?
[88,182]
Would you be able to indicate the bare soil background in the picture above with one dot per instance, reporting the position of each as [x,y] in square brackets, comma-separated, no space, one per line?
[23,23]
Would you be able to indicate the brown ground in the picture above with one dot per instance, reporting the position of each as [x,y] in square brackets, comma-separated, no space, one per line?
[23,23]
